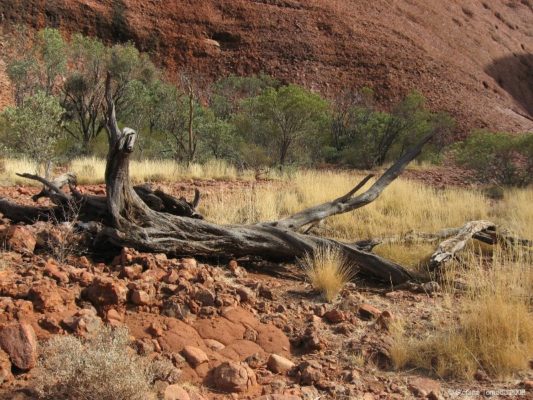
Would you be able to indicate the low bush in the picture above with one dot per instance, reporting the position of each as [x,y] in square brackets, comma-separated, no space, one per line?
[102,367]
[499,157]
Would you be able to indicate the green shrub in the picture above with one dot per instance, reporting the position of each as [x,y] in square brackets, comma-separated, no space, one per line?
[498,157]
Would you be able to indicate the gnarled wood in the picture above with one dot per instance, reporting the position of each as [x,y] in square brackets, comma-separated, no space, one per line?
[447,249]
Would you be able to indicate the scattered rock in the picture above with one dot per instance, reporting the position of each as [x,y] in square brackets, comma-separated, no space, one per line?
[424,386]
[194,355]
[21,239]
[18,340]
[310,373]
[140,297]
[5,368]
[334,316]
[368,312]
[214,345]
[231,377]
[105,292]
[175,392]
[279,364]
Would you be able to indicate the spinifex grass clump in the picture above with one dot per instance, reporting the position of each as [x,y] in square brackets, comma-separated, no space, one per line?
[328,271]
[491,328]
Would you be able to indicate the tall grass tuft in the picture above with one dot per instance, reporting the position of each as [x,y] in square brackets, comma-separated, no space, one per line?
[328,271]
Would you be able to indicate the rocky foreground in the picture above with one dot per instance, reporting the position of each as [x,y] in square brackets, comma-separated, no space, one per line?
[229,331]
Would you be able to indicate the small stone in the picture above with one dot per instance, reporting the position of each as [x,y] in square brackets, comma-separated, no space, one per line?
[52,270]
[175,392]
[140,297]
[21,239]
[279,364]
[5,368]
[334,316]
[214,345]
[424,386]
[367,311]
[194,355]
[18,340]
[204,296]
[528,385]
[189,263]
[231,377]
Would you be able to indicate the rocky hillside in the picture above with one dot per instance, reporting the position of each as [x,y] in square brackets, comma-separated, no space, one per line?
[471,58]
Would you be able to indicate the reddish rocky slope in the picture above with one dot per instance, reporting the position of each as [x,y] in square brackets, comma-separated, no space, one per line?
[471,58]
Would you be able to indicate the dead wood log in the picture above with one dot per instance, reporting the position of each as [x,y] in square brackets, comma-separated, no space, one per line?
[448,248]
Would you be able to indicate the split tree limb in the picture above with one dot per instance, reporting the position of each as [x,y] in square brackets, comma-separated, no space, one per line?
[348,203]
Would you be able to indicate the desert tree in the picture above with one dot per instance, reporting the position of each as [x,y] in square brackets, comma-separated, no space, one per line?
[34,129]
[284,119]
[52,52]
[83,90]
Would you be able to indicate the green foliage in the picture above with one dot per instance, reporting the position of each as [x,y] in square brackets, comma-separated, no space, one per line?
[498,157]
[284,120]
[366,137]
[52,51]
[229,92]
[33,129]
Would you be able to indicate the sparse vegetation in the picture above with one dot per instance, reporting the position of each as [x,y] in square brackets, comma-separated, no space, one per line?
[499,157]
[327,271]
[490,328]
[101,367]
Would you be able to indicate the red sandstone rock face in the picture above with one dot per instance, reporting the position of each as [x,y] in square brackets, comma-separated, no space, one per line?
[469,58]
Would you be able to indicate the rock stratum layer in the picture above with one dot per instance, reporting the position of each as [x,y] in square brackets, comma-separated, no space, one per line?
[473,59]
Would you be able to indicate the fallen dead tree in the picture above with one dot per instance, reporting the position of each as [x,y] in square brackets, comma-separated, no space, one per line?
[153,221]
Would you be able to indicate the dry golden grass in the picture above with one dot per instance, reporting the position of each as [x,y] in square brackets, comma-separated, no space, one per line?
[90,170]
[328,271]
[491,327]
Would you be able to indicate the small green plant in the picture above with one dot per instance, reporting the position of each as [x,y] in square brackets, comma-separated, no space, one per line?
[328,271]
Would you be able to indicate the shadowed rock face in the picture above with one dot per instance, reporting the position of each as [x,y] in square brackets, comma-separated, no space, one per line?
[450,51]
[514,74]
